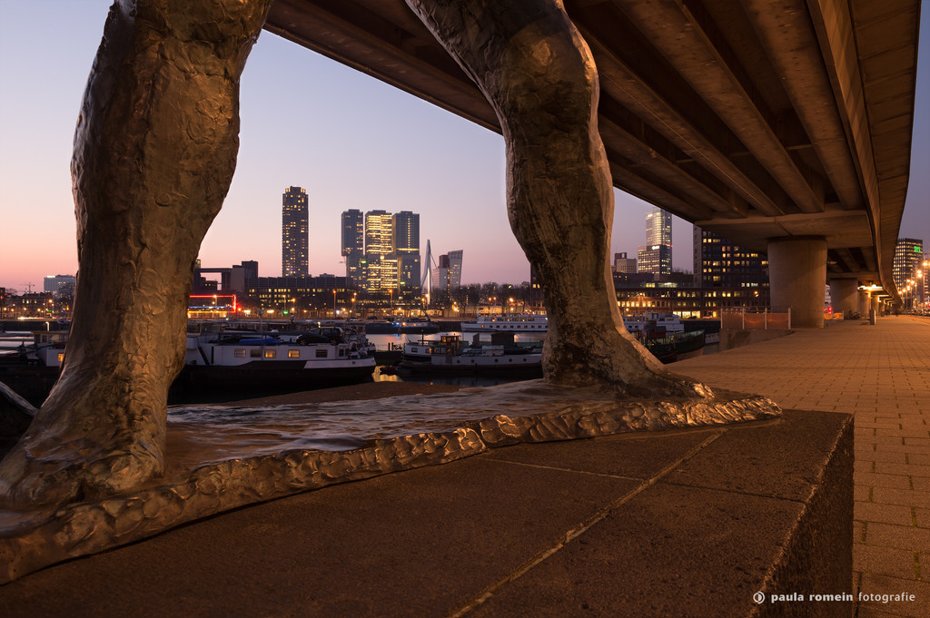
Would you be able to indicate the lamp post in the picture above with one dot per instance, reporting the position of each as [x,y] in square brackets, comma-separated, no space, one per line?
[334,303]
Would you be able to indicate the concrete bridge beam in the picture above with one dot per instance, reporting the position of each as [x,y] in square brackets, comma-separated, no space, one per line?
[844,295]
[797,274]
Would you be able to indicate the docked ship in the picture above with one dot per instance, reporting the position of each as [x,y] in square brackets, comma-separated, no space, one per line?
[523,323]
[241,361]
[449,355]
[220,363]
[32,370]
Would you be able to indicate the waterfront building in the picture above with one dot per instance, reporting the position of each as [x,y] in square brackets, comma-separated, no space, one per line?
[908,257]
[656,256]
[59,285]
[295,233]
[659,228]
[353,246]
[732,275]
[240,275]
[233,279]
[406,252]
[449,270]
[300,296]
[379,244]
[455,268]
[654,260]
[623,264]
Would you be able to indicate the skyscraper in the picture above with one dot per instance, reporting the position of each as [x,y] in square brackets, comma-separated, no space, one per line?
[656,256]
[406,241]
[908,256]
[455,268]
[380,271]
[353,246]
[295,229]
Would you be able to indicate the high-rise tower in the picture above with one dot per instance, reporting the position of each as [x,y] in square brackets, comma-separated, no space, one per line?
[381,266]
[406,241]
[295,233]
[353,246]
[656,256]
[908,257]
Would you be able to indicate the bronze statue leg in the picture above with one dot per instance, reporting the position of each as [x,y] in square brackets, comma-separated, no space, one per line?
[537,72]
[154,153]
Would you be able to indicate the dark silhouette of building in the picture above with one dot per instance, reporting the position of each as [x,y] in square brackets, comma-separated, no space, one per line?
[624,264]
[731,275]
[406,250]
[353,246]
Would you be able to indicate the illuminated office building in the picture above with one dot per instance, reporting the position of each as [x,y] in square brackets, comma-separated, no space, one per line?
[295,233]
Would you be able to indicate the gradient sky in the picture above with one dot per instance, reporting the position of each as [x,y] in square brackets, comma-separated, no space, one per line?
[350,140]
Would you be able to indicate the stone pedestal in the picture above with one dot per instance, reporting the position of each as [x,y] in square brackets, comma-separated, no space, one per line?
[797,274]
[843,294]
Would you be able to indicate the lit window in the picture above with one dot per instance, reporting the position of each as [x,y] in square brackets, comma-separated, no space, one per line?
[293,353]
[61,357]
[270,353]
[239,353]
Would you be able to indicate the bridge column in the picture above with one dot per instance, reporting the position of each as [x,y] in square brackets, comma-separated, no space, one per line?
[863,303]
[843,293]
[797,273]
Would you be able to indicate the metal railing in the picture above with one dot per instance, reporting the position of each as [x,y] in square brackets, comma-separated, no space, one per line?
[742,318]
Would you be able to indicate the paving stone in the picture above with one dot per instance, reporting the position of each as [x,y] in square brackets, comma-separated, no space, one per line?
[893,481]
[885,561]
[882,456]
[905,536]
[922,516]
[873,584]
[883,513]
[890,468]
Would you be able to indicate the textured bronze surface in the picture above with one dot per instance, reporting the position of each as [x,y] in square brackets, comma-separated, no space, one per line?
[211,476]
[535,69]
[154,153]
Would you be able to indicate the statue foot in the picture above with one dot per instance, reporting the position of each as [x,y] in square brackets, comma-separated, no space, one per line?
[89,445]
[619,362]
[32,475]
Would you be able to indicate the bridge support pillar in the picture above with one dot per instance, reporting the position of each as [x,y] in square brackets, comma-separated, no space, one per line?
[797,274]
[863,303]
[843,294]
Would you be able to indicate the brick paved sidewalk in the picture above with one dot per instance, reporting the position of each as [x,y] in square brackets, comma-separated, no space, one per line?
[880,374]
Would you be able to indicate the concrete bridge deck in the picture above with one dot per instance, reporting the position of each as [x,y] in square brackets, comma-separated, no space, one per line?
[881,375]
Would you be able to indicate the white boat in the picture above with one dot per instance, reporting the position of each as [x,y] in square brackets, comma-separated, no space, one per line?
[653,322]
[450,355]
[523,323]
[241,360]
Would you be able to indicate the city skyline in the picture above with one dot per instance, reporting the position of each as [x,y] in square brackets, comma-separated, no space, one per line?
[352,141]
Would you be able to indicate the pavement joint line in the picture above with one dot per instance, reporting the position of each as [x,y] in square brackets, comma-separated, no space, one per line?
[558,469]
[736,491]
[585,525]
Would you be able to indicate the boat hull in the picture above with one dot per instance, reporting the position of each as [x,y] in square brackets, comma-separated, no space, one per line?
[265,377]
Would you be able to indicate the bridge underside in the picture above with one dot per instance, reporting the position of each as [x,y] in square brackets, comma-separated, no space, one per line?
[760,120]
